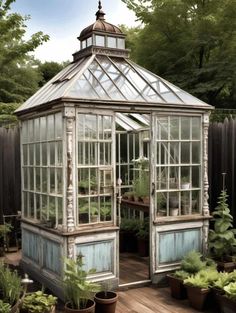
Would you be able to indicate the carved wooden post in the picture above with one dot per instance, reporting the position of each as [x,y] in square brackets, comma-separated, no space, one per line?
[70,162]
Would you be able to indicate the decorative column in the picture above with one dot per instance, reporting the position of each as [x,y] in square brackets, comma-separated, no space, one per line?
[70,205]
[205,183]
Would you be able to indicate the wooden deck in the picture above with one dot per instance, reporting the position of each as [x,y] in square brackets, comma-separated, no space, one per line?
[151,300]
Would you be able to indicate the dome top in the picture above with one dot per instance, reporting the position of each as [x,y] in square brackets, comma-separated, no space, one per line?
[100,25]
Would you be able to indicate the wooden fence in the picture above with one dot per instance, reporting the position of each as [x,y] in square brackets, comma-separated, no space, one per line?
[222,159]
[10,182]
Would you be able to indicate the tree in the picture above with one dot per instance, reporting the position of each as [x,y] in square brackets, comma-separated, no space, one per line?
[192,43]
[48,70]
[18,78]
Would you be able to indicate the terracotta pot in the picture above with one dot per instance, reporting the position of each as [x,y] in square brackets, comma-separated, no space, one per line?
[224,266]
[177,288]
[197,296]
[90,308]
[105,302]
[226,305]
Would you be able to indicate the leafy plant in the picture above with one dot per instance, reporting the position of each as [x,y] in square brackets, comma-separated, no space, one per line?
[143,230]
[38,302]
[5,307]
[5,229]
[77,289]
[192,262]
[222,238]
[141,181]
[129,225]
[181,274]
[230,291]
[196,281]
[223,280]
[10,285]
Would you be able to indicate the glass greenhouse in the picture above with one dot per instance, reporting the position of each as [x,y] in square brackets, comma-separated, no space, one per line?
[107,141]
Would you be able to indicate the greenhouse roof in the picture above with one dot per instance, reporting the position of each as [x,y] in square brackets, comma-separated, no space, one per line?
[107,78]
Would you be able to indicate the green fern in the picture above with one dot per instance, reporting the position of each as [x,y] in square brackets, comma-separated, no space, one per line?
[192,262]
[230,291]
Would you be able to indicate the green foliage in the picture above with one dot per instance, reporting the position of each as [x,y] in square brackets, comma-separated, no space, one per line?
[224,279]
[143,230]
[7,118]
[203,279]
[192,262]
[230,291]
[129,225]
[191,43]
[181,274]
[141,181]
[10,285]
[77,288]
[5,307]
[38,302]
[48,70]
[222,238]
[4,229]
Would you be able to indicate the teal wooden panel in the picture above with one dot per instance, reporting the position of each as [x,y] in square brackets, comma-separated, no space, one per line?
[98,255]
[30,245]
[52,258]
[174,245]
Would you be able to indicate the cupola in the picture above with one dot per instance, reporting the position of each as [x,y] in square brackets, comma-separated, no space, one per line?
[101,37]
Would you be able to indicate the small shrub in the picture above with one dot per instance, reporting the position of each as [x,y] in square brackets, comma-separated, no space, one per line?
[192,262]
[38,302]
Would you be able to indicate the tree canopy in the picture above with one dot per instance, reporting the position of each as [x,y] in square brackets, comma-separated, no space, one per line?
[18,78]
[192,43]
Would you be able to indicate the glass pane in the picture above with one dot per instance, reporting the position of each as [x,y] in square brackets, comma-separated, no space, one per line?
[89,41]
[44,208]
[196,202]
[106,181]
[161,204]
[185,152]
[174,128]
[24,132]
[25,154]
[196,176]
[185,203]
[25,176]
[92,153]
[196,128]
[37,154]
[162,126]
[60,211]
[185,128]
[105,209]
[185,178]
[124,174]
[93,180]
[52,153]
[105,153]
[83,205]
[83,44]
[59,181]
[99,40]
[43,128]
[83,181]
[52,212]
[164,153]
[25,201]
[36,129]
[162,178]
[50,130]
[120,43]
[81,147]
[44,153]
[31,130]
[37,179]
[90,127]
[105,127]
[31,154]
[196,152]
[111,42]
[37,198]
[58,125]
[59,153]
[174,204]
[31,205]
[52,180]
[94,210]
[174,177]
[44,180]
[174,153]
[31,178]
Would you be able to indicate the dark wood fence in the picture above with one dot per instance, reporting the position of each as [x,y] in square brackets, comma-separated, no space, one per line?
[10,182]
[222,159]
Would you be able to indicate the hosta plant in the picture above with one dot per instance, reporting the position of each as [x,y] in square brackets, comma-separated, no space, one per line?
[222,240]
[230,291]
[38,302]
[203,279]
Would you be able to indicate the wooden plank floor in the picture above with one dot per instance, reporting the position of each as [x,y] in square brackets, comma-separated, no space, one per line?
[151,300]
[133,268]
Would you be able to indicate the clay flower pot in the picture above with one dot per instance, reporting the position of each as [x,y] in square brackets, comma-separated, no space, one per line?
[90,308]
[197,296]
[105,302]
[177,288]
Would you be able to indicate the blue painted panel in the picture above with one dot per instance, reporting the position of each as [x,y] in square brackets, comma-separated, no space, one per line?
[98,255]
[30,245]
[52,258]
[174,245]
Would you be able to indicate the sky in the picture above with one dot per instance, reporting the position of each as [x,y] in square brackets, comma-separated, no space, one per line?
[63,20]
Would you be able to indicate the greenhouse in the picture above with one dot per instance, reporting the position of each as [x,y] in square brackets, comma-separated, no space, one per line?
[108,146]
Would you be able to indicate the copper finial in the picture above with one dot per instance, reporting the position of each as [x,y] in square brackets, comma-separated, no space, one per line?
[100,14]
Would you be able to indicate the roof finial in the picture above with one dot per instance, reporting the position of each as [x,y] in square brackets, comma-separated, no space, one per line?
[100,14]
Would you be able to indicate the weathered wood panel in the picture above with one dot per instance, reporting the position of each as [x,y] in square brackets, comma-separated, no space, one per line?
[172,246]
[98,255]
[31,246]
[52,258]
[10,173]
[222,158]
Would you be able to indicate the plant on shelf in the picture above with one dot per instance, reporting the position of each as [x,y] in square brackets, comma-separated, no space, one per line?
[39,302]
[222,240]
[129,195]
[141,180]
[185,182]
[79,292]
[106,299]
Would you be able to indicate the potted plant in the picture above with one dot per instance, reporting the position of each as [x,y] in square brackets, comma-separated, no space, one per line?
[106,300]
[141,181]
[128,230]
[198,287]
[4,230]
[143,236]
[228,301]
[173,204]
[5,307]
[222,240]
[185,183]
[79,291]
[191,264]
[39,302]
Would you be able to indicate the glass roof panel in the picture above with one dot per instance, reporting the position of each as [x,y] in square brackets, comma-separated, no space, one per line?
[96,85]
[82,89]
